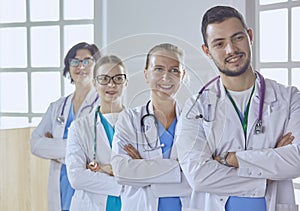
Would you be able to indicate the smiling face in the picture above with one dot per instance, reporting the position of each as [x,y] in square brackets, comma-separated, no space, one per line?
[111,92]
[83,73]
[229,46]
[164,74]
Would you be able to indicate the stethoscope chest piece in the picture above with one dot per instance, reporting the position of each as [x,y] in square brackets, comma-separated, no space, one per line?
[258,127]
[60,120]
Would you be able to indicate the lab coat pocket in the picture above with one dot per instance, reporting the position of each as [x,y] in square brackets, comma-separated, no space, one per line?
[286,207]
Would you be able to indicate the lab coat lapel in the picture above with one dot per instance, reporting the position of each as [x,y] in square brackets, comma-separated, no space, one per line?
[214,128]
[86,105]
[101,140]
[270,97]
[155,153]
[173,154]
[173,151]
[66,112]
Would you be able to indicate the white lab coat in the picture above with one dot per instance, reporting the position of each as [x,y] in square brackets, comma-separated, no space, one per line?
[91,188]
[55,148]
[198,140]
[149,178]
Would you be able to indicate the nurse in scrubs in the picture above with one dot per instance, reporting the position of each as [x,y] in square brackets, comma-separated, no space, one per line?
[88,155]
[48,140]
[144,158]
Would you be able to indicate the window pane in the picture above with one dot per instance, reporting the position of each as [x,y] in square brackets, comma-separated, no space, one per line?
[263,2]
[274,38]
[69,88]
[13,122]
[13,50]
[295,34]
[297,196]
[278,74]
[44,10]
[45,46]
[296,80]
[297,180]
[78,9]
[35,121]
[45,89]
[74,34]
[9,12]
[13,92]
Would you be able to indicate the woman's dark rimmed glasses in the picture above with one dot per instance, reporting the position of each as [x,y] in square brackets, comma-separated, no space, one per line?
[85,62]
[105,79]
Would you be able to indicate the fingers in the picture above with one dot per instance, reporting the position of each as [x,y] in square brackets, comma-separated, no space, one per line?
[217,158]
[93,166]
[48,135]
[106,168]
[232,160]
[285,140]
[55,160]
[132,152]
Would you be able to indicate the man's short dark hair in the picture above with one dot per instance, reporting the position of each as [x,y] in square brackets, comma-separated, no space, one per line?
[219,14]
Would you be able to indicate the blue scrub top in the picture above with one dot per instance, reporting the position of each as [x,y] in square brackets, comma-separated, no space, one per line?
[235,203]
[166,137]
[113,203]
[66,191]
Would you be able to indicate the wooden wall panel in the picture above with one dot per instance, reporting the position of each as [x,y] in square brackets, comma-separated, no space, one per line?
[23,177]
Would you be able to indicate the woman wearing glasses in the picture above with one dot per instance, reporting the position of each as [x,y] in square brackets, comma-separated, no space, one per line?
[143,158]
[48,140]
[89,142]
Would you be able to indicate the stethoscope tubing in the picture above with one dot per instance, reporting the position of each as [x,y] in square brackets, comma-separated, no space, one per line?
[258,127]
[151,148]
[61,119]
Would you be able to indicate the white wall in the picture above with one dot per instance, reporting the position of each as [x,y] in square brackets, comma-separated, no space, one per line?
[130,28]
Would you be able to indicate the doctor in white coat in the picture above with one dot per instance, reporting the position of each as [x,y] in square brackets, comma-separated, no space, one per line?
[234,140]
[48,140]
[89,143]
[143,158]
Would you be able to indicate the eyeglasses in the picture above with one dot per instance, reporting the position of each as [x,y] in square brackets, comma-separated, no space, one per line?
[85,62]
[105,79]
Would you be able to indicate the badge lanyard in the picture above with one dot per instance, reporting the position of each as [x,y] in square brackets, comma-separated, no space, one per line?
[243,118]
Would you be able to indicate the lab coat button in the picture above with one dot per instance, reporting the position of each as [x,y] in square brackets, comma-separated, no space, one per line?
[221,199]
[259,174]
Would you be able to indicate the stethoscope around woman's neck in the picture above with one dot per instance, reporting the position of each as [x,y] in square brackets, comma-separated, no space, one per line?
[258,125]
[143,128]
[61,119]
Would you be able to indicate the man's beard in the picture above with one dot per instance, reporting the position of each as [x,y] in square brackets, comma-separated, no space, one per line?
[231,73]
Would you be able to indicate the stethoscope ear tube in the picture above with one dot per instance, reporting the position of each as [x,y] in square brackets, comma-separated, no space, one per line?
[200,116]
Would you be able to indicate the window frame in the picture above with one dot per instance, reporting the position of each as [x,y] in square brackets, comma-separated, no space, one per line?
[29,69]
[254,22]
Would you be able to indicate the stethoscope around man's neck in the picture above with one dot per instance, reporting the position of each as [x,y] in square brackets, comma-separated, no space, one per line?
[258,125]
[61,119]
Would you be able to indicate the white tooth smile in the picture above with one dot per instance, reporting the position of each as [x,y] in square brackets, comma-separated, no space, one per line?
[234,59]
[166,86]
